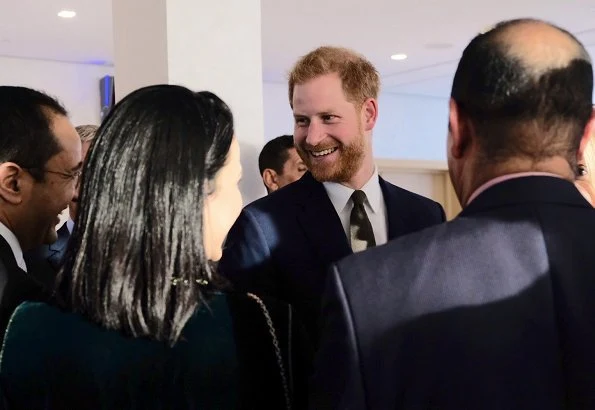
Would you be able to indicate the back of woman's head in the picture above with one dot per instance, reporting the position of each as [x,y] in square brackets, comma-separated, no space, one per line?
[137,259]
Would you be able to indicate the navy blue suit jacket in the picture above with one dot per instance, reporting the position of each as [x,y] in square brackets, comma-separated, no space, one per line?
[283,244]
[493,310]
[16,286]
[45,261]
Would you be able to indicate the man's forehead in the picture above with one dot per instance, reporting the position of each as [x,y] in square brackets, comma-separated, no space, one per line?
[69,141]
[63,130]
[294,156]
[322,90]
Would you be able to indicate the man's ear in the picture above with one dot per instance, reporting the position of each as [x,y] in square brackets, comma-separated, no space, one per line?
[588,136]
[369,113]
[459,129]
[11,182]
[269,177]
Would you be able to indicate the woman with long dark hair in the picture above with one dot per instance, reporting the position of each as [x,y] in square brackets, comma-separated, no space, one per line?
[142,319]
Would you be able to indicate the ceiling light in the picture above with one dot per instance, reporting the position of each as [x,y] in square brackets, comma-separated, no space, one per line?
[67,14]
[398,57]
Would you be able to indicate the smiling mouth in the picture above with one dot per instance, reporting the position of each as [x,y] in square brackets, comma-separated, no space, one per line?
[325,152]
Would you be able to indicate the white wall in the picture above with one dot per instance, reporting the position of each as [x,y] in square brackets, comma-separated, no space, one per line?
[411,127]
[408,127]
[75,85]
[278,118]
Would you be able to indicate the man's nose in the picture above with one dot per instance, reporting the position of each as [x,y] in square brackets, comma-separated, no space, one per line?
[316,134]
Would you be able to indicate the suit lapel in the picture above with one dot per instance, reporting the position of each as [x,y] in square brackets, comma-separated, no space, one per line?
[58,248]
[395,215]
[8,257]
[320,221]
[13,274]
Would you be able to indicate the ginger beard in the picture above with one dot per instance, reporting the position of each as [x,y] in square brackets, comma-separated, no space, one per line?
[341,164]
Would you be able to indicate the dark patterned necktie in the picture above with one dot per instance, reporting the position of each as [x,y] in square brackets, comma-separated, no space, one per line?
[360,228]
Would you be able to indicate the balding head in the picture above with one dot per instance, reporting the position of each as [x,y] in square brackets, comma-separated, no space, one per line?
[540,46]
[526,87]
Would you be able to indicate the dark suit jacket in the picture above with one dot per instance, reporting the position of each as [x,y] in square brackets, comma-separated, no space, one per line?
[45,261]
[283,244]
[494,310]
[16,285]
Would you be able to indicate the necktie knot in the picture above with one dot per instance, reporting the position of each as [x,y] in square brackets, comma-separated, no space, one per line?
[358,197]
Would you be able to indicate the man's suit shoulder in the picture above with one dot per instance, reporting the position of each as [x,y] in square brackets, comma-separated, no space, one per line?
[411,275]
[461,252]
[413,246]
[419,202]
[279,200]
[261,219]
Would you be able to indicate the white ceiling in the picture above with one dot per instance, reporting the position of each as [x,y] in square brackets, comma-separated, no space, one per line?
[432,33]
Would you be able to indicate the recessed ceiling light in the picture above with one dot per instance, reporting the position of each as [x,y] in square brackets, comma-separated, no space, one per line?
[398,57]
[67,14]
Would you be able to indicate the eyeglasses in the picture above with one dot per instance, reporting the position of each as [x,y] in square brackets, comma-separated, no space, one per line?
[74,176]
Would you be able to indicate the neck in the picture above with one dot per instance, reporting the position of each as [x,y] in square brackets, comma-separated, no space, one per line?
[557,166]
[362,176]
[6,221]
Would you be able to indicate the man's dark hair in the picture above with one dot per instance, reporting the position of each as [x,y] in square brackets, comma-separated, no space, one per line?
[275,153]
[26,137]
[518,109]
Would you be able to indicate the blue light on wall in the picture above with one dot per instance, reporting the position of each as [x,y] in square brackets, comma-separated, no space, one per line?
[107,95]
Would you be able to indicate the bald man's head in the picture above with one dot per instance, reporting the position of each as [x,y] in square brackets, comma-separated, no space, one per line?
[526,86]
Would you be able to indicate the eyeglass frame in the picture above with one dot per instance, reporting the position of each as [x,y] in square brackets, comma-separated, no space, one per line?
[75,176]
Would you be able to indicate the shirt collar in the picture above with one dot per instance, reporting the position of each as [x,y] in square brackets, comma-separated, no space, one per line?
[70,225]
[340,194]
[507,177]
[15,246]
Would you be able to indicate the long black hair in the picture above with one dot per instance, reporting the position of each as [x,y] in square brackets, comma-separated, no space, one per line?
[137,256]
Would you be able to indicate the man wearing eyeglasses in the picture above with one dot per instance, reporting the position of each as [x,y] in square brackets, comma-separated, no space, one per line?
[40,162]
[46,260]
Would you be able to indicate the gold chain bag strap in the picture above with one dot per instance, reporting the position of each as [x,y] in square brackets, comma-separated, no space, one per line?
[276,346]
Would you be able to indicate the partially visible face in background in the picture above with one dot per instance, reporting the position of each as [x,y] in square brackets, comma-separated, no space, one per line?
[73,205]
[293,169]
[46,199]
[585,181]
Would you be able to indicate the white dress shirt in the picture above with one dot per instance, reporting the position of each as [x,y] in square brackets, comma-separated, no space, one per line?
[70,225]
[340,196]
[15,246]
